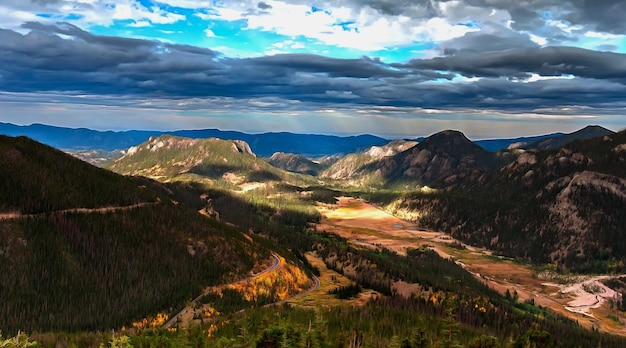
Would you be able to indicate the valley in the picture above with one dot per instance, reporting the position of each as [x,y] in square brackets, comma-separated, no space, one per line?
[312,174]
[367,226]
[205,238]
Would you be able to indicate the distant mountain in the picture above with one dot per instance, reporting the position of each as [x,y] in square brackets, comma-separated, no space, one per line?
[352,168]
[563,206]
[494,145]
[83,248]
[77,138]
[294,163]
[311,145]
[543,142]
[549,143]
[264,144]
[227,162]
[444,159]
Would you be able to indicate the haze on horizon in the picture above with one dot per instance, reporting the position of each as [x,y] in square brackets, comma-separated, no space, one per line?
[490,68]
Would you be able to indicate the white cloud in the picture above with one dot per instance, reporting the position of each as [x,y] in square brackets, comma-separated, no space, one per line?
[536,77]
[190,4]
[564,26]
[361,28]
[12,19]
[140,24]
[605,36]
[89,13]
[538,39]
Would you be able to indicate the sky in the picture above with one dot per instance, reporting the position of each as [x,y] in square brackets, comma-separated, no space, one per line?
[393,68]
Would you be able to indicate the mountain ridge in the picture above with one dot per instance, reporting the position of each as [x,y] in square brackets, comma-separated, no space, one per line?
[445,158]
[230,163]
[83,248]
[562,206]
[264,144]
[588,132]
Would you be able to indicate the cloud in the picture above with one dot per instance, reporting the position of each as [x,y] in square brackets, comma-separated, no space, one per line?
[263,5]
[521,62]
[86,13]
[63,59]
[340,23]
[491,38]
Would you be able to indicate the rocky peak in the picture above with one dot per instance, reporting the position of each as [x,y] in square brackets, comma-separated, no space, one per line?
[242,147]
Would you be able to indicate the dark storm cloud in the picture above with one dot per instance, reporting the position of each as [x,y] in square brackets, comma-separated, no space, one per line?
[44,5]
[264,6]
[334,67]
[493,38]
[519,63]
[65,59]
[45,2]
[599,15]
[402,7]
[42,60]
[604,15]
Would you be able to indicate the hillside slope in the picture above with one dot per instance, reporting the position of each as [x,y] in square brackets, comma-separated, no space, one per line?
[352,169]
[441,160]
[494,145]
[37,178]
[82,248]
[294,163]
[225,163]
[562,206]
[551,143]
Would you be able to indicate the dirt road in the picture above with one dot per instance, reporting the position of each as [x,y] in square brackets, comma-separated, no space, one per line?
[16,215]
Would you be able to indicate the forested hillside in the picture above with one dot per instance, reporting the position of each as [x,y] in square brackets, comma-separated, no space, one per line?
[82,248]
[562,206]
[37,178]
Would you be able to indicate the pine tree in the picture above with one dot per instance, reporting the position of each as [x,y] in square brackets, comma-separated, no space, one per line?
[450,325]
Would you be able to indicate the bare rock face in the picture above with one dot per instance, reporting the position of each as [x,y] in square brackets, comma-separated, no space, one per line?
[393,148]
[566,206]
[577,216]
[242,147]
[444,159]
[358,167]
[620,149]
[167,156]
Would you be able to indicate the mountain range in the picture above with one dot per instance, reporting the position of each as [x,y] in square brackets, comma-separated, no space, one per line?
[530,204]
[562,206]
[83,248]
[264,144]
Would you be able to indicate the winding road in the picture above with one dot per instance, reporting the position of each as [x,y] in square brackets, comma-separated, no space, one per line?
[15,216]
[315,286]
[275,265]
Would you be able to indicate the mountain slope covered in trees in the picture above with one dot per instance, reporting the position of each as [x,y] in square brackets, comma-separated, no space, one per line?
[82,248]
[563,206]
